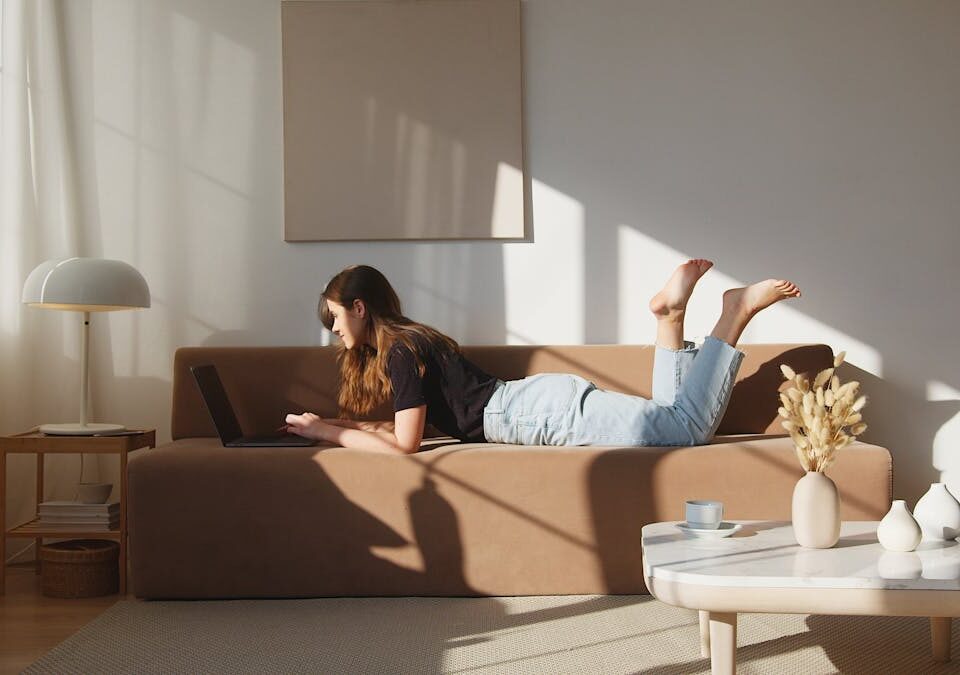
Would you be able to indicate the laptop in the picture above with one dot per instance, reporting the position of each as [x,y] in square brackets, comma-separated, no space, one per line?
[224,419]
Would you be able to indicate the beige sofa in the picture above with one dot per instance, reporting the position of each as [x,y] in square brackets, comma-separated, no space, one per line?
[454,519]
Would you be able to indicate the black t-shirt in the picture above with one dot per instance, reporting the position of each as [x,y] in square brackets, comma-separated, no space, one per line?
[454,390]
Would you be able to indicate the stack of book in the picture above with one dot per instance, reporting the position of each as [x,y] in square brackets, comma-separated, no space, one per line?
[79,516]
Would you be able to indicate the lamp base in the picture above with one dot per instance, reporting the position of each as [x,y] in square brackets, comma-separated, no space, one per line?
[76,429]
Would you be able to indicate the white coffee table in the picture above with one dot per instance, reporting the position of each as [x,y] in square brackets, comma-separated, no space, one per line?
[762,569]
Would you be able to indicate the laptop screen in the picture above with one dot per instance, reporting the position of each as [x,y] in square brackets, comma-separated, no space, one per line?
[215,396]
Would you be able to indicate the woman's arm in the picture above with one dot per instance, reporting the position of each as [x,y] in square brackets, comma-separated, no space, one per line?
[404,439]
[363,425]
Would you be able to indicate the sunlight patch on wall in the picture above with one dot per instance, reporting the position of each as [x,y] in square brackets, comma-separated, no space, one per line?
[945,456]
[645,264]
[946,442]
[507,217]
[543,282]
[782,323]
[938,391]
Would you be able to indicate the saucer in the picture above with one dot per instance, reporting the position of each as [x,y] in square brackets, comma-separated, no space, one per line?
[724,530]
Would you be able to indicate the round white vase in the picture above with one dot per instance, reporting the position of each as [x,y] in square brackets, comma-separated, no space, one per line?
[898,531]
[938,514]
[816,511]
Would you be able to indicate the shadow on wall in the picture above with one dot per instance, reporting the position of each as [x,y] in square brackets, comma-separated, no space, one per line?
[754,400]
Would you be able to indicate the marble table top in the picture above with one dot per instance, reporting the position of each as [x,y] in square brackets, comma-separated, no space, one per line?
[765,554]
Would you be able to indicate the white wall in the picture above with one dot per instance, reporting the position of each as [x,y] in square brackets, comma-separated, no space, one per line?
[814,141]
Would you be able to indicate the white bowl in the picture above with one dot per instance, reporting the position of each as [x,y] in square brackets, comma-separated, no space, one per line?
[94,493]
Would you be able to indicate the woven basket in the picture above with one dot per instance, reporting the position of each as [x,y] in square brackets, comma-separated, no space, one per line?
[80,568]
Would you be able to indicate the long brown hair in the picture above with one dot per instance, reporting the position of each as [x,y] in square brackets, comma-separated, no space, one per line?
[364,379]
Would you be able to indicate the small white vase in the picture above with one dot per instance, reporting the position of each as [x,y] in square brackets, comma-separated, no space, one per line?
[816,511]
[938,514]
[898,531]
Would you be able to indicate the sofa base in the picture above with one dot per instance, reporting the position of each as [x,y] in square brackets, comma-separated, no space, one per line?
[458,520]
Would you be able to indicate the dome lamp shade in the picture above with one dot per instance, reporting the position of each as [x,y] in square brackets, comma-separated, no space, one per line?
[85,285]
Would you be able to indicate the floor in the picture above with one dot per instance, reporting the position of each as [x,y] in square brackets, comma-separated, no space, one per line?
[457,633]
[31,624]
[566,635]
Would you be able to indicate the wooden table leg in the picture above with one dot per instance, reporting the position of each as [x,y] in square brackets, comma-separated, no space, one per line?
[723,643]
[123,523]
[704,633]
[940,637]
[38,541]
[3,521]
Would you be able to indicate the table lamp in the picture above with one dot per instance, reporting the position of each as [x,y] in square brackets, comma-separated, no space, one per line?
[85,285]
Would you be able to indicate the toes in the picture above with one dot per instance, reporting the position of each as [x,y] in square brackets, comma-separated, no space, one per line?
[787,288]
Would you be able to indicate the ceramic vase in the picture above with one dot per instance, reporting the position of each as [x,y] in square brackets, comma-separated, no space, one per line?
[816,511]
[898,531]
[938,514]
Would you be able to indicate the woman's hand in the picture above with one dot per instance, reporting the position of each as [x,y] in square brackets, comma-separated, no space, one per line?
[308,425]
[364,435]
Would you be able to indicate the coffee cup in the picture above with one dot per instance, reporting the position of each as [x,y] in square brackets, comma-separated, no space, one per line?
[703,514]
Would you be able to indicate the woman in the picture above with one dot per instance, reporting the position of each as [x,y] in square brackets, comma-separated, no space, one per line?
[386,354]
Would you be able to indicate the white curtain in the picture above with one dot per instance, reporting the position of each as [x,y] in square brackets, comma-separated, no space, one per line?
[39,219]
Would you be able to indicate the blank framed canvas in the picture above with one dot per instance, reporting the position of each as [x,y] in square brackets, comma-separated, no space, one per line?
[402,120]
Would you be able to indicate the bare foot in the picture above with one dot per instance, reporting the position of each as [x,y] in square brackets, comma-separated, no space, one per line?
[671,301]
[749,300]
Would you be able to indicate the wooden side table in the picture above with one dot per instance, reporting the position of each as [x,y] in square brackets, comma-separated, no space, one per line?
[40,444]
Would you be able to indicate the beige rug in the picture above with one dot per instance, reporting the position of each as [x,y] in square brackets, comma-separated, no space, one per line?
[553,634]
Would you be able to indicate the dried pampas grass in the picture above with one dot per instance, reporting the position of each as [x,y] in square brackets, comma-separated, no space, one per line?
[822,416]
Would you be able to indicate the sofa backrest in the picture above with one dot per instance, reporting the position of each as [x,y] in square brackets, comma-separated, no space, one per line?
[265,383]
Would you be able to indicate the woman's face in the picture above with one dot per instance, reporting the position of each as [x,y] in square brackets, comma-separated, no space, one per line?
[349,324]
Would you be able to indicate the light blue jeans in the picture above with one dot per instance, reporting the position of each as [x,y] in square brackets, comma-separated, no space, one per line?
[691,389]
